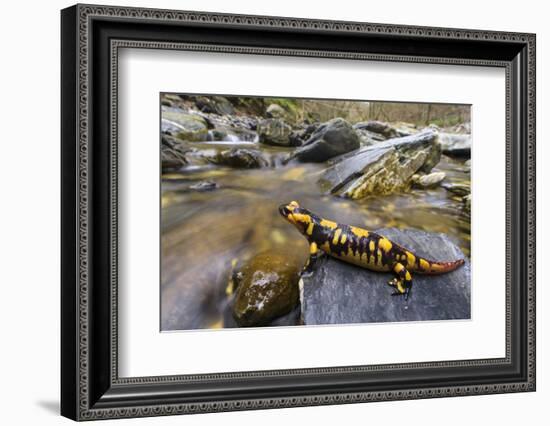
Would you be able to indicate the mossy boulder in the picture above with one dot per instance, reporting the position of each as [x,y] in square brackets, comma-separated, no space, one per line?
[274,131]
[184,125]
[267,288]
[214,105]
[275,111]
[383,168]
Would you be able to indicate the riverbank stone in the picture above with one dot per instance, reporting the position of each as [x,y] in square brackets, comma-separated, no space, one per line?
[267,288]
[330,139]
[339,293]
[184,125]
[275,111]
[456,145]
[430,180]
[215,105]
[274,131]
[378,127]
[382,168]
[240,158]
[172,153]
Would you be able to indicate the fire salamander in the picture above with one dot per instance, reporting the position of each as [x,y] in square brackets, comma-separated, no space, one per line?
[363,248]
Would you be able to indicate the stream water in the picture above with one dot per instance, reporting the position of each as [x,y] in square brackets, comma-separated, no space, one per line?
[205,230]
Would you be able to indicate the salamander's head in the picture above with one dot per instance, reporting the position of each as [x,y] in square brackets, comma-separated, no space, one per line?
[298,216]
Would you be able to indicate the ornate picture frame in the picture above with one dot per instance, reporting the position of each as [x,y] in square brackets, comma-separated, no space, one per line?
[91,37]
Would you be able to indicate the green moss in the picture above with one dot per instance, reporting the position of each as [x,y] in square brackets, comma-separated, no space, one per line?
[267,288]
[291,106]
[447,121]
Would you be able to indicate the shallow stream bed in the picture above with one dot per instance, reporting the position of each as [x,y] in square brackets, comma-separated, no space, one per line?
[213,216]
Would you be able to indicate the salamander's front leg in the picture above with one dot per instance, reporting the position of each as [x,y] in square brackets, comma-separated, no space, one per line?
[314,254]
[403,282]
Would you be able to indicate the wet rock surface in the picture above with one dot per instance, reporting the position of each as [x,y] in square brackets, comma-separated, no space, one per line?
[378,127]
[184,125]
[267,288]
[460,189]
[274,131]
[275,111]
[456,145]
[292,318]
[428,181]
[368,138]
[221,185]
[382,168]
[300,136]
[172,154]
[339,293]
[330,139]
[240,158]
[214,104]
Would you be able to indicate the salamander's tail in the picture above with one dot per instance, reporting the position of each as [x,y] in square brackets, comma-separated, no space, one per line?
[434,268]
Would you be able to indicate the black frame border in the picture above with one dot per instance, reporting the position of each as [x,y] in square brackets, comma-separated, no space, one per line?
[91,37]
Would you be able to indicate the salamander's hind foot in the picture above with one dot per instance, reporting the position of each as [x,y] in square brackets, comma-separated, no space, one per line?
[402,284]
[400,288]
[393,283]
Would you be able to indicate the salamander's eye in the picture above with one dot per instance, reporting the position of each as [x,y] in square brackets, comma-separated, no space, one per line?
[286,209]
[283,209]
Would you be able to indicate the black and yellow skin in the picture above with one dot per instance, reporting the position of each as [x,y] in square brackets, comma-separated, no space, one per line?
[363,248]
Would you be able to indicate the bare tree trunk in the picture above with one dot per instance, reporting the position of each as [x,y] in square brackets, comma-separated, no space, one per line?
[428,113]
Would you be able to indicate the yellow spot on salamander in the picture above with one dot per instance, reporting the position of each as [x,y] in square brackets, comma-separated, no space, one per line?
[408,276]
[309,230]
[411,259]
[336,236]
[379,260]
[385,244]
[400,287]
[302,218]
[313,248]
[371,246]
[360,232]
[343,238]
[329,224]
[398,268]
[424,265]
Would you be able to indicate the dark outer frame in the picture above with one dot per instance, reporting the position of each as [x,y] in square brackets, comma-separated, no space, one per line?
[90,38]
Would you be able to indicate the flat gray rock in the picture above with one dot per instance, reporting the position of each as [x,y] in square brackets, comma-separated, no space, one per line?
[456,145]
[382,168]
[330,139]
[340,293]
